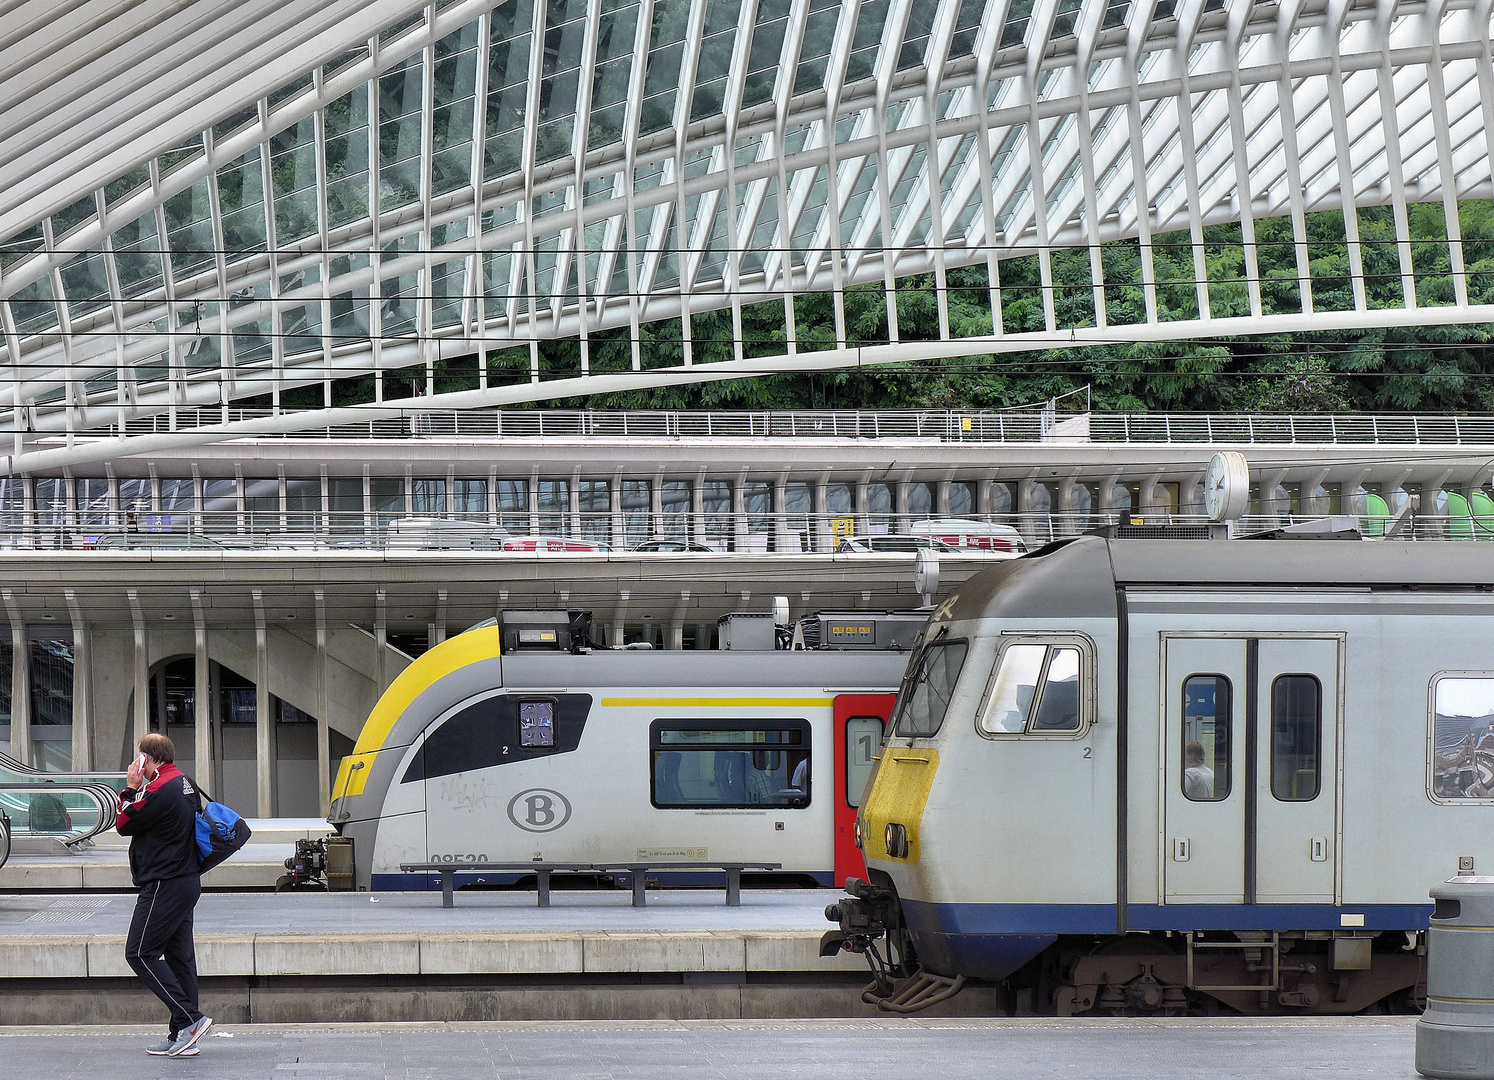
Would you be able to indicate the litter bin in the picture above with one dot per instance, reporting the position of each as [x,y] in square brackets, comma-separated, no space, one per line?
[1455,1036]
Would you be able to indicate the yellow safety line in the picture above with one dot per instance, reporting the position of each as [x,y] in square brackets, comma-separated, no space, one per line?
[718,702]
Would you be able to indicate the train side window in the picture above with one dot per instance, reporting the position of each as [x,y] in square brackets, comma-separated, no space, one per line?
[925,696]
[1296,737]
[1037,689]
[863,736]
[1462,744]
[1207,719]
[1016,686]
[714,764]
[537,723]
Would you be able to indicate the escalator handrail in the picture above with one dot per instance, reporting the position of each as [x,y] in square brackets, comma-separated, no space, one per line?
[106,801]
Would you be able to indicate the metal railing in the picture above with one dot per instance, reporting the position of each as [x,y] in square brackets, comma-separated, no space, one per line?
[931,425]
[647,532]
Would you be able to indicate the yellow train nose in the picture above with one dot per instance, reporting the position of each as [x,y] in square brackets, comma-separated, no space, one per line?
[894,808]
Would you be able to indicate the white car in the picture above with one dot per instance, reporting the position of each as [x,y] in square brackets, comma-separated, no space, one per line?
[890,542]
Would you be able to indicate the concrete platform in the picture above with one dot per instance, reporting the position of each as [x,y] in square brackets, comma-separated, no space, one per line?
[401,956]
[1195,1049]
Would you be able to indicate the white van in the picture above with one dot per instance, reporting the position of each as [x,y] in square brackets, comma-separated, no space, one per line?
[442,534]
[968,533]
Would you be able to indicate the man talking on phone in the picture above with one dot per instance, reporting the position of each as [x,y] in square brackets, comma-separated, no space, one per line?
[158,812]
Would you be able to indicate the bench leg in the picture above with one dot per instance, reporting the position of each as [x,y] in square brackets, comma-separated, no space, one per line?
[733,888]
[640,881]
[544,887]
[447,883]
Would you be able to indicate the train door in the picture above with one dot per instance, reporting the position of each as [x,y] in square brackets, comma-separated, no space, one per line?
[860,720]
[1250,769]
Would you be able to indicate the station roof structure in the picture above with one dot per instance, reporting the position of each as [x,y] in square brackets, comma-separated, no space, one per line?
[204,203]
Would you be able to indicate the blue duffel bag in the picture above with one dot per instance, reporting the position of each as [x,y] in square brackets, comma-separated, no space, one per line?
[220,831]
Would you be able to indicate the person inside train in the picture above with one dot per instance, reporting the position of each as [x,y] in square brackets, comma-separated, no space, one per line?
[1198,778]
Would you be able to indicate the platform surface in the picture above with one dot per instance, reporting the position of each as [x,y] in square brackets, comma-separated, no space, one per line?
[1195,1049]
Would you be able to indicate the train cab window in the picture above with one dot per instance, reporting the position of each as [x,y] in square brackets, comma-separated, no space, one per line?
[1207,708]
[730,764]
[537,723]
[863,736]
[1462,765]
[1296,737]
[1037,690]
[926,692]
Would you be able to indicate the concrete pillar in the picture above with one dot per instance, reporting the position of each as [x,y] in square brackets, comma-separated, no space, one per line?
[324,706]
[202,698]
[20,684]
[82,687]
[381,642]
[264,720]
[142,672]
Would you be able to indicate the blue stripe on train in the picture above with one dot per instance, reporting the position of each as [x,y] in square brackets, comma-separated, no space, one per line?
[432,882]
[990,941]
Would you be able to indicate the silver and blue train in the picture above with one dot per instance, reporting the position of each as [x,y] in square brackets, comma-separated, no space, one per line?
[1153,775]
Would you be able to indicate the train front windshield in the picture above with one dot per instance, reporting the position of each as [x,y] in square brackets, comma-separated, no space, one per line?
[926,692]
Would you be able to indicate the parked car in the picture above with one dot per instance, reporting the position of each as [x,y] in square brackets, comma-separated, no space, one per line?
[670,543]
[552,543]
[890,542]
[969,533]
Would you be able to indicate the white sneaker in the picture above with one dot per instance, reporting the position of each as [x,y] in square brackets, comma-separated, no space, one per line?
[186,1039]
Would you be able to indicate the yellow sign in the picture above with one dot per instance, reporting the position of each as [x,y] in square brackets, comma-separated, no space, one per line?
[964,423]
[842,526]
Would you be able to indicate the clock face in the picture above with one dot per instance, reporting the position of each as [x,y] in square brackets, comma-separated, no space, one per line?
[1226,486]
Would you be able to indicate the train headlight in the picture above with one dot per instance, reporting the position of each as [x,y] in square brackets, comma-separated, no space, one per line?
[859,845]
[896,840]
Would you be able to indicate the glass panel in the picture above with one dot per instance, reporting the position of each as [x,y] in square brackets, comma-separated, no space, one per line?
[1463,739]
[635,505]
[1059,706]
[925,696]
[555,507]
[1206,734]
[536,723]
[345,503]
[428,497]
[863,736]
[513,505]
[596,503]
[715,500]
[674,500]
[386,499]
[1016,685]
[921,499]
[961,499]
[220,503]
[1296,734]
[93,501]
[729,777]
[303,501]
[470,499]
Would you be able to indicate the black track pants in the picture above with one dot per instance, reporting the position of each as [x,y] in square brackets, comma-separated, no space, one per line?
[160,949]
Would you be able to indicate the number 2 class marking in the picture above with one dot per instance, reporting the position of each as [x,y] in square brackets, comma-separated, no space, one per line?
[1087,754]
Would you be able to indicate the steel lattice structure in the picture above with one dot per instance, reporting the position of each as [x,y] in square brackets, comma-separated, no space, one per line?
[408,184]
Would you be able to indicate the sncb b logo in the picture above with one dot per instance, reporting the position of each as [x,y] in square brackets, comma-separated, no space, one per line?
[539,810]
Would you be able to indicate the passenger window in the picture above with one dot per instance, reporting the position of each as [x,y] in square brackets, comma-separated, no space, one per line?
[1296,736]
[863,736]
[925,695]
[1037,690]
[1016,685]
[1463,739]
[1205,775]
[1058,709]
[706,764]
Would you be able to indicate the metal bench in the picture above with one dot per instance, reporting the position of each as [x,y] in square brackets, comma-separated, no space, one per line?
[448,871]
[640,870]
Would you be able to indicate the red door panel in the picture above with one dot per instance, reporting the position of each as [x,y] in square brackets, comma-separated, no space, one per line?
[848,707]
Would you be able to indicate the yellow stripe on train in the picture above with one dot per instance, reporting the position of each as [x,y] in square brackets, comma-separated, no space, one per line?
[426,669]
